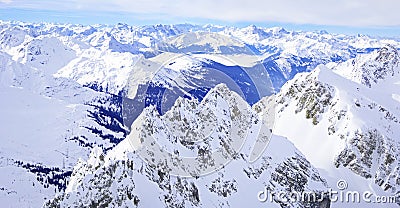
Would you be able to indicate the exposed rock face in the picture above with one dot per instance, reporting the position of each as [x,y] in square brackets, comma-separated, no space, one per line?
[117,178]
[346,109]
[371,68]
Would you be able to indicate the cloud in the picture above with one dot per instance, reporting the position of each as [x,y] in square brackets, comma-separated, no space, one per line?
[6,1]
[361,13]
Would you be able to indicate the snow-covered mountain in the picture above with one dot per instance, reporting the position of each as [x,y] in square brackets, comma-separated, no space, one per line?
[356,137]
[282,53]
[77,99]
[223,118]
[350,113]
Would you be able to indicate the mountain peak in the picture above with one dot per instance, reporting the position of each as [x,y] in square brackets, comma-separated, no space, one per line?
[388,54]
[368,69]
[278,30]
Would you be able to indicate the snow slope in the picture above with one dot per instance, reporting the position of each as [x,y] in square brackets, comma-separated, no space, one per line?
[344,126]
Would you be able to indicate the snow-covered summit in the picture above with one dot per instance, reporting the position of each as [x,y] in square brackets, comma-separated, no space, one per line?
[354,126]
[190,140]
[371,68]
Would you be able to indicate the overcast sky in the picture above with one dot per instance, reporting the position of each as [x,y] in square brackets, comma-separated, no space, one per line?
[351,14]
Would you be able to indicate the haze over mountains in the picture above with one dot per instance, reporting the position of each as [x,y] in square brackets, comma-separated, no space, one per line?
[80,101]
